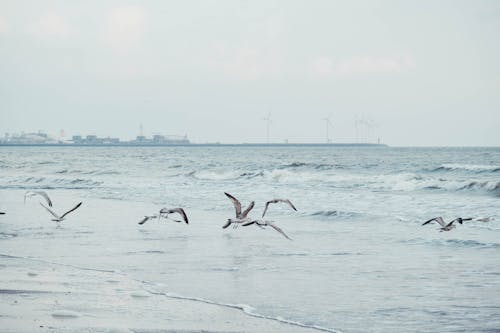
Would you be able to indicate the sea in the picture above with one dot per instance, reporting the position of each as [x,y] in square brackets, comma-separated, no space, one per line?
[359,259]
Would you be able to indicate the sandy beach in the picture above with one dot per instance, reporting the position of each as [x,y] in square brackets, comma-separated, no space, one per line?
[43,297]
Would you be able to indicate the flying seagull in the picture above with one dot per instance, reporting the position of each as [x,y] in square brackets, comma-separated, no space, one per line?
[30,194]
[264,223]
[164,214]
[58,218]
[241,217]
[165,211]
[278,200]
[447,226]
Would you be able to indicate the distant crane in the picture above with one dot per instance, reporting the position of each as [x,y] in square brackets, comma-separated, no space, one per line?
[268,124]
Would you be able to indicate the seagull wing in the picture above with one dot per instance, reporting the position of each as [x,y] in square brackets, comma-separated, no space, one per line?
[45,196]
[145,219]
[227,224]
[438,219]
[236,203]
[279,200]
[72,209]
[248,223]
[51,212]
[290,204]
[265,209]
[448,225]
[278,230]
[2,213]
[176,210]
[246,211]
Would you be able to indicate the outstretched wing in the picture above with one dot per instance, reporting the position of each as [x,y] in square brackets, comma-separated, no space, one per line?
[438,219]
[146,218]
[278,230]
[45,196]
[448,227]
[228,223]
[72,209]
[40,193]
[246,211]
[278,200]
[236,204]
[179,210]
[248,223]
[51,212]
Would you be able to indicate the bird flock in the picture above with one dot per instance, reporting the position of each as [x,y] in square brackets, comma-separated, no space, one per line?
[241,217]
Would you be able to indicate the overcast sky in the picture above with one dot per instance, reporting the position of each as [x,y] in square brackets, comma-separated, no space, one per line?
[419,73]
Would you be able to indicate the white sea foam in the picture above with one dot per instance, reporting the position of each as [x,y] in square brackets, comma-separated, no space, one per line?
[65,314]
[470,167]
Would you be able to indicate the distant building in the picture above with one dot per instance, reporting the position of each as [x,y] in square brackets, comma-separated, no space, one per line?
[42,138]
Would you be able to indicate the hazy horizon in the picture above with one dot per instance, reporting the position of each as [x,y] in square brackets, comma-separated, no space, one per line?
[411,74]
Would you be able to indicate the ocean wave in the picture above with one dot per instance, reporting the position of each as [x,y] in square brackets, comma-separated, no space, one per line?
[315,166]
[294,165]
[334,213]
[223,174]
[403,181]
[214,175]
[468,243]
[489,186]
[50,183]
[89,172]
[7,235]
[468,167]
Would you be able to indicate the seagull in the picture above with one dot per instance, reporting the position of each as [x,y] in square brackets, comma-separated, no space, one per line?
[30,194]
[241,217]
[58,218]
[278,200]
[264,223]
[447,226]
[164,214]
[165,211]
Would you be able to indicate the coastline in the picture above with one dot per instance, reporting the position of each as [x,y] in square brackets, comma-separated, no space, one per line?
[43,297]
[351,145]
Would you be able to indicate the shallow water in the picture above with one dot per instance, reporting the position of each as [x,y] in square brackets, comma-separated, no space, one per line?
[359,260]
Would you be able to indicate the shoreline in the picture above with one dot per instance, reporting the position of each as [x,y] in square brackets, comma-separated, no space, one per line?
[46,296]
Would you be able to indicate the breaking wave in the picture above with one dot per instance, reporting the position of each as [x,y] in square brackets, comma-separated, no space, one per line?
[477,168]
[334,213]
[50,183]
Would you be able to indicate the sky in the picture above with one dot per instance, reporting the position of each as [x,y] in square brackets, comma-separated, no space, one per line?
[407,73]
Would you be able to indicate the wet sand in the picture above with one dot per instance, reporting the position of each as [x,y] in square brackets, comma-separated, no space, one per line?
[42,297]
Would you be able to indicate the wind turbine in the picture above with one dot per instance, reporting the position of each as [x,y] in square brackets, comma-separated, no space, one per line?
[357,121]
[268,124]
[328,123]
